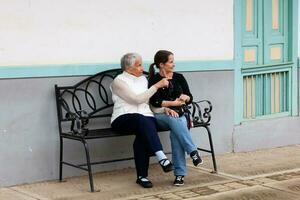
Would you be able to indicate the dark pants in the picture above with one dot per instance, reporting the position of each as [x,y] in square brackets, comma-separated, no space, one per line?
[146,142]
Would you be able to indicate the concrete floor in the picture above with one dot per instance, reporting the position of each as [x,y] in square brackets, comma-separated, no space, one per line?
[266,174]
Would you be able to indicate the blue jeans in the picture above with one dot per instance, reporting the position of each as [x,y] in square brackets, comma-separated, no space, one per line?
[181,140]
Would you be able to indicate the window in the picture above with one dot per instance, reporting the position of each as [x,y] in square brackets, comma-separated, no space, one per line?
[266,60]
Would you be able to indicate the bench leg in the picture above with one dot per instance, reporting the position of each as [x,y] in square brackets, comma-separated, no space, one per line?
[88,162]
[212,149]
[61,159]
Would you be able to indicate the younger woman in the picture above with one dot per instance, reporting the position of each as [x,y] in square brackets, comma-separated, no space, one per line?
[172,98]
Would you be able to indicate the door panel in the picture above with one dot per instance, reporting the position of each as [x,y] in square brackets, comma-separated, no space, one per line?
[252,36]
[275,28]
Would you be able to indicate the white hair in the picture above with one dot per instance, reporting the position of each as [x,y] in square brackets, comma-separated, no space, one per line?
[128,60]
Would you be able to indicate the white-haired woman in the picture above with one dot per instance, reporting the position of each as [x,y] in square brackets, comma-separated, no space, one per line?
[131,112]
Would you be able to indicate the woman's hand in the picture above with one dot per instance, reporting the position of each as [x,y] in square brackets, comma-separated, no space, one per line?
[178,102]
[171,112]
[162,83]
[184,98]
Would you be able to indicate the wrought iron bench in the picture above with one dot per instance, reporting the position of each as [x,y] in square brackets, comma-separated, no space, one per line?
[90,100]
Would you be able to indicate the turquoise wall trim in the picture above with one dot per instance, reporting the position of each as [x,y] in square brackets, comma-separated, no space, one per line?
[238,56]
[276,115]
[294,38]
[92,68]
[267,68]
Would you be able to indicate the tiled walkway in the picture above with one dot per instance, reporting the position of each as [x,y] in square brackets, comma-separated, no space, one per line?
[266,174]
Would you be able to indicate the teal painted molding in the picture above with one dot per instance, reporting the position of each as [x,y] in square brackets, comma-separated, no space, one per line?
[32,71]
[267,68]
[271,116]
[53,70]
[294,53]
[238,56]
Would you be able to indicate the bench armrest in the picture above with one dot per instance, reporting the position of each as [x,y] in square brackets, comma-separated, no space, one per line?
[79,121]
[200,111]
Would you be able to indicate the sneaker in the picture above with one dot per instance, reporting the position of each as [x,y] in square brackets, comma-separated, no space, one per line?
[179,181]
[196,158]
[144,182]
[166,167]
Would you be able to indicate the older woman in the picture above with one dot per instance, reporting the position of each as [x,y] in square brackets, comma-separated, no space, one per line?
[172,99]
[131,112]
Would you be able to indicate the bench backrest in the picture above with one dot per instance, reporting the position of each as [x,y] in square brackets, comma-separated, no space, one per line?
[93,95]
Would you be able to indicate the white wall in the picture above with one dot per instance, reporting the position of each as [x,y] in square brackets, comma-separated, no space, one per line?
[83,31]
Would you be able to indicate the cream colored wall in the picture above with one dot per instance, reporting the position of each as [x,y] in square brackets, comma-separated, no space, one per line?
[87,31]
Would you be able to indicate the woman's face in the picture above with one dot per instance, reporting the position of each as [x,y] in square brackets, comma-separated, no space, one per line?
[169,65]
[137,69]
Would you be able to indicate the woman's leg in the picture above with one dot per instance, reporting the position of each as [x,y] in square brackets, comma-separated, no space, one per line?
[178,126]
[182,133]
[141,157]
[181,140]
[178,156]
[147,141]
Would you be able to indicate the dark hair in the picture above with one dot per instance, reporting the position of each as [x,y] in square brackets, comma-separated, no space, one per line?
[162,56]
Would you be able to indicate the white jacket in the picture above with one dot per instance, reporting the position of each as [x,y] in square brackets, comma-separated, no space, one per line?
[130,94]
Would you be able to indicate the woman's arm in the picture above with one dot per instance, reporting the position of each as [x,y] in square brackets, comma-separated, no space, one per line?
[121,89]
[165,110]
[185,98]
[157,109]
[156,99]
[175,103]
[186,94]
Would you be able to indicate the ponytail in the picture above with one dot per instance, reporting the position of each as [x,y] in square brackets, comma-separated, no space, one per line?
[162,56]
[151,71]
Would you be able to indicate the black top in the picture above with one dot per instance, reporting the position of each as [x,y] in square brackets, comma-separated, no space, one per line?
[177,86]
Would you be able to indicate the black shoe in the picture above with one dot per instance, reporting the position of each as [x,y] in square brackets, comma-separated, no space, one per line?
[196,158]
[168,167]
[144,182]
[179,181]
